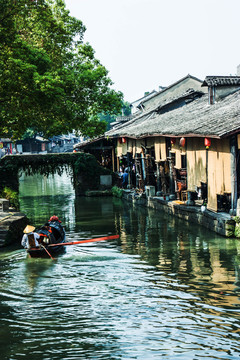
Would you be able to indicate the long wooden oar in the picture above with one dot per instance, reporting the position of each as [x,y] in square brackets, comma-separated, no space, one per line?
[47,252]
[111,237]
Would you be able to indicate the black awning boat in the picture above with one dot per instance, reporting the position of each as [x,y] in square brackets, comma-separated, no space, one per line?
[51,233]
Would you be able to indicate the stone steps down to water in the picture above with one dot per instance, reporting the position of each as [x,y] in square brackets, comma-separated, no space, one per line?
[12,224]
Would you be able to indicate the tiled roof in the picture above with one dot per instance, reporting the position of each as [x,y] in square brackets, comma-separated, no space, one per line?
[197,118]
[188,96]
[167,88]
[88,142]
[145,97]
[221,81]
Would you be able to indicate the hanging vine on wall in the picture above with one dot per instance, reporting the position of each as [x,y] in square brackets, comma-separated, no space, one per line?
[74,164]
[42,164]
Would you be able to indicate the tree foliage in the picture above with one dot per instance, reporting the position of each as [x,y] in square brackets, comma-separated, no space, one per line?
[109,118]
[50,80]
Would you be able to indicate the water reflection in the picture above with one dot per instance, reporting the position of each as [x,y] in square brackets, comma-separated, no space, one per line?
[34,270]
[207,264]
[165,289]
[43,196]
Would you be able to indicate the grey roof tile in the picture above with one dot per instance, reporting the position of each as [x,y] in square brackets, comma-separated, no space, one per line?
[221,81]
[197,118]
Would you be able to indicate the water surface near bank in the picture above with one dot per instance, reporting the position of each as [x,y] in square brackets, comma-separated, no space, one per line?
[165,289]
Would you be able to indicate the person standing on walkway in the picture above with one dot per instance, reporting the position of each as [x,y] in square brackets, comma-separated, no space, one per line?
[125,179]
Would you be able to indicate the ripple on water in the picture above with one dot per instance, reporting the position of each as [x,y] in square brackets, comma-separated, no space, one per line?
[154,295]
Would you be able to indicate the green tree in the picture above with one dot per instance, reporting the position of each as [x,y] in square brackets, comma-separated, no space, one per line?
[109,118]
[126,108]
[50,80]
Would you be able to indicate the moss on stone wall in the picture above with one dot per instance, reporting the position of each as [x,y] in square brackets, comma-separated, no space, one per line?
[82,167]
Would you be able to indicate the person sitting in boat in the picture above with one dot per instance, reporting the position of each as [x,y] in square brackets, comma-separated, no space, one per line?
[53,226]
[30,238]
[54,218]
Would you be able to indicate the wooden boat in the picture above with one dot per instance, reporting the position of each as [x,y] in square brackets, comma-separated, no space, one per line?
[51,233]
[52,241]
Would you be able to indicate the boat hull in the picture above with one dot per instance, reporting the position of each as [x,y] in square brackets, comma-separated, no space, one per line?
[52,233]
[42,253]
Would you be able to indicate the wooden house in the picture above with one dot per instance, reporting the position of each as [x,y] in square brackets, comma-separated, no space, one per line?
[102,148]
[33,145]
[170,92]
[185,144]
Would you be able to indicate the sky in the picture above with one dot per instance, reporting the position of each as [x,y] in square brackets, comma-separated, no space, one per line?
[145,44]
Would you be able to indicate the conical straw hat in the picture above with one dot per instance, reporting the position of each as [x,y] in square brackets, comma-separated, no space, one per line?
[28,229]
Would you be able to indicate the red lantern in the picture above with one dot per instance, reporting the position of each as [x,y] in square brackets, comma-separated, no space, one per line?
[120,140]
[207,142]
[124,140]
[173,141]
[182,142]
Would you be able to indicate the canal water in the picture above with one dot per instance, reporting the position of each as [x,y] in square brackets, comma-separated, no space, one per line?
[165,290]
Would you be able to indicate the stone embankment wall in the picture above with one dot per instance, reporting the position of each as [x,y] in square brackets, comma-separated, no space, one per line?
[12,224]
[221,223]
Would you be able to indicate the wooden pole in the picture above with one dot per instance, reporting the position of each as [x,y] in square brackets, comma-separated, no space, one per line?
[111,237]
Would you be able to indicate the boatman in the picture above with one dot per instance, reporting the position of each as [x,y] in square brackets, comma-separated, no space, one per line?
[30,238]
